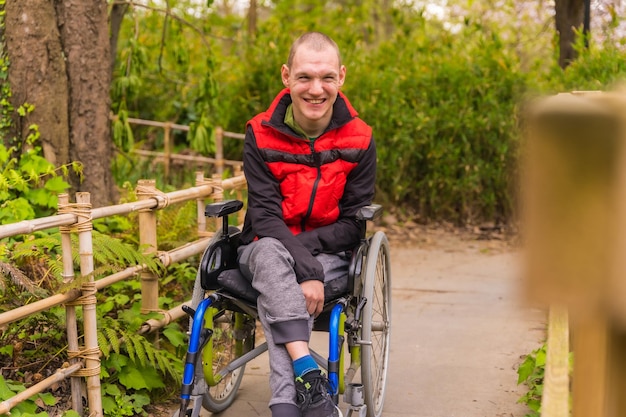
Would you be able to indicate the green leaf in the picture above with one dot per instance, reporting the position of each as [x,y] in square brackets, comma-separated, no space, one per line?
[39,197]
[140,400]
[117,361]
[109,406]
[5,391]
[56,185]
[111,389]
[174,335]
[6,350]
[48,399]
[525,369]
[132,378]
[16,210]
[540,359]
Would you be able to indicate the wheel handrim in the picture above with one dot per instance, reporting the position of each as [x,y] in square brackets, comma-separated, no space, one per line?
[377,319]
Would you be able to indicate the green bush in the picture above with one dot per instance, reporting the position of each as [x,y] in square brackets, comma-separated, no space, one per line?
[443,102]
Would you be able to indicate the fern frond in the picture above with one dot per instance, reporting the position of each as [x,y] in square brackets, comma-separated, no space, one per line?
[37,247]
[165,365]
[115,253]
[130,348]
[20,279]
[141,344]
[177,225]
[103,343]
[113,339]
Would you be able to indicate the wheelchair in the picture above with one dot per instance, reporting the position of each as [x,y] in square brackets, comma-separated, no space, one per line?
[223,318]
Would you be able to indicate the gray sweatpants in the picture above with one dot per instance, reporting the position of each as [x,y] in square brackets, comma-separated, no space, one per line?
[281,304]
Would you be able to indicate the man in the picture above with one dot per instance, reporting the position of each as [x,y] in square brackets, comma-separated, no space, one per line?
[310,163]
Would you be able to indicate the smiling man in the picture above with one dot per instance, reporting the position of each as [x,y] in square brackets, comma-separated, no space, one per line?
[310,163]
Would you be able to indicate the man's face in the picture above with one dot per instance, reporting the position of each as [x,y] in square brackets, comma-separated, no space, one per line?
[314,80]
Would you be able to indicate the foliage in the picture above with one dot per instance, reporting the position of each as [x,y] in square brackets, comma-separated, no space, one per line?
[133,368]
[29,184]
[29,407]
[531,373]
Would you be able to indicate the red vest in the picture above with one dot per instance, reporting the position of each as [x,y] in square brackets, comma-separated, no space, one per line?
[312,174]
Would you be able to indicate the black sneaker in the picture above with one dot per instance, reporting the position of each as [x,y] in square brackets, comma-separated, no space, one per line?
[313,398]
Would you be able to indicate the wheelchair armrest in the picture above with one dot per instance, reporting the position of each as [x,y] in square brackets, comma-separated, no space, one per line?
[371,212]
[222,208]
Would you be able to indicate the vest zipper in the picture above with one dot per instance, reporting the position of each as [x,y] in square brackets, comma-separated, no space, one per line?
[318,165]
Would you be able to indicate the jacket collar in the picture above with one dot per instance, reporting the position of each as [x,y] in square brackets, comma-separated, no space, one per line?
[343,112]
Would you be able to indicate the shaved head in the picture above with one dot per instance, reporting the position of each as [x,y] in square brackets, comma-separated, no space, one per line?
[314,40]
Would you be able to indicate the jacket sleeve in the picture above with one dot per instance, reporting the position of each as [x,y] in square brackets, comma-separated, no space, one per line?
[264,216]
[344,234]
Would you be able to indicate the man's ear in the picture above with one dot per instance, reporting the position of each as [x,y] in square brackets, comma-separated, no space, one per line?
[342,75]
[284,73]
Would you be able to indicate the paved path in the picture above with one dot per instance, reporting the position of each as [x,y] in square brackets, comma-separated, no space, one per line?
[459,330]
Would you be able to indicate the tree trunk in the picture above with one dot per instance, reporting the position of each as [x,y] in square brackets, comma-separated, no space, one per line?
[252,19]
[59,62]
[569,17]
[37,75]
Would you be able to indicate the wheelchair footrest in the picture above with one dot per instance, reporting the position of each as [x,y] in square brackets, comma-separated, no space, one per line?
[353,395]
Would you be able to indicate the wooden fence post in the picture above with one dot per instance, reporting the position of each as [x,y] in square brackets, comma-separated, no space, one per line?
[70,309]
[218,195]
[167,148]
[200,203]
[219,150]
[148,240]
[91,351]
[575,217]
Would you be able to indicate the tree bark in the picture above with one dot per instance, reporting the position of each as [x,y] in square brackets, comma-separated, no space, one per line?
[83,25]
[59,62]
[37,75]
[569,16]
[118,10]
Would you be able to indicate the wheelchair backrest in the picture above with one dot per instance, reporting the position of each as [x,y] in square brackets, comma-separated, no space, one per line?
[219,256]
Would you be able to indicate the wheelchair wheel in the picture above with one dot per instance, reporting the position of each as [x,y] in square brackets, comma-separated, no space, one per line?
[226,344]
[219,351]
[376,322]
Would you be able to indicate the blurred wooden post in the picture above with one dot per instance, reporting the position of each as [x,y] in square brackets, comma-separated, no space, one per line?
[200,203]
[241,214]
[70,309]
[218,195]
[91,352]
[219,150]
[575,214]
[148,240]
[167,148]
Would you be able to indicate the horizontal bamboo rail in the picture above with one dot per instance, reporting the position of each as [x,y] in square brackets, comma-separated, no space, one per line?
[79,220]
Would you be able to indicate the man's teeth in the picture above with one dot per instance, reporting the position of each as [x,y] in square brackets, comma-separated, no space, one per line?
[316,101]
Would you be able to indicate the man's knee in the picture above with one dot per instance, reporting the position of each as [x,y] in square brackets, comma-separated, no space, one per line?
[267,245]
[265,251]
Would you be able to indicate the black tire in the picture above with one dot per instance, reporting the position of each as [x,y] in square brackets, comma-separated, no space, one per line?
[376,324]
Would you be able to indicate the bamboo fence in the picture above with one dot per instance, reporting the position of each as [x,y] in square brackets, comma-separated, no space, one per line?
[167,156]
[84,360]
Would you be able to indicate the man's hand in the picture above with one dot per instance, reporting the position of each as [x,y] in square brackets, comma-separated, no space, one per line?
[313,291]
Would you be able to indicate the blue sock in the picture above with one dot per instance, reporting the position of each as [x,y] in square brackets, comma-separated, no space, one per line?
[303,365]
